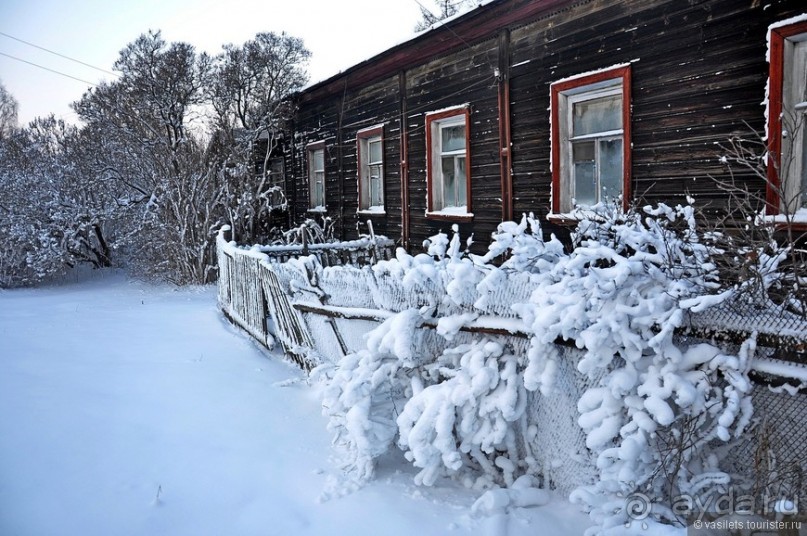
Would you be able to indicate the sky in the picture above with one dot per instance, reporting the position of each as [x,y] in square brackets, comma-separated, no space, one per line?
[339,33]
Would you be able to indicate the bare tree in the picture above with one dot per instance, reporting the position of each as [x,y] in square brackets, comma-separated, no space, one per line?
[142,179]
[8,112]
[142,125]
[766,254]
[51,216]
[249,90]
[172,184]
[445,9]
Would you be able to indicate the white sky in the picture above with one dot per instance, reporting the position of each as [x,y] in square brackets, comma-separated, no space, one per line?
[339,33]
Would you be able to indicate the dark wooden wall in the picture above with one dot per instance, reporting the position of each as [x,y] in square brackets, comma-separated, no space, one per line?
[335,119]
[459,79]
[698,78]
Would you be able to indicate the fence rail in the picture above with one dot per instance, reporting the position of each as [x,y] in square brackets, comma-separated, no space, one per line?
[253,297]
[320,315]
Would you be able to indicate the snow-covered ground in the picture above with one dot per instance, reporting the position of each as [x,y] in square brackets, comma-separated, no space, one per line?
[131,409]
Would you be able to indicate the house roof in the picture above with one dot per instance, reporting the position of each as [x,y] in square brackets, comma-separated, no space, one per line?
[478,24]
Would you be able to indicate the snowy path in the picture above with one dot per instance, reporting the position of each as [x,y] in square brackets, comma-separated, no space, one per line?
[129,409]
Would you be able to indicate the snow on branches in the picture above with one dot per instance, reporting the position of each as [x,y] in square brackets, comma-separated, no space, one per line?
[459,406]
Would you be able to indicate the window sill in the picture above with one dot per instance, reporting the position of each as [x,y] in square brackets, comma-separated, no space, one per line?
[317,210]
[372,212]
[796,222]
[564,219]
[576,216]
[450,216]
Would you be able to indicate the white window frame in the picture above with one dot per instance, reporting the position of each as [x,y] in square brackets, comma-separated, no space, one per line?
[794,123]
[437,206]
[316,177]
[365,138]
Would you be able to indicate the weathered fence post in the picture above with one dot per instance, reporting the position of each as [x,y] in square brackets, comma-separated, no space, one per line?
[227,233]
[373,258]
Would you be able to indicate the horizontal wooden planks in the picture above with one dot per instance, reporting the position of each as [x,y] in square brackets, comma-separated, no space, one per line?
[698,78]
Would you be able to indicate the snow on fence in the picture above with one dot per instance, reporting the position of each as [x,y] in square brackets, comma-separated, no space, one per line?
[252,296]
[321,314]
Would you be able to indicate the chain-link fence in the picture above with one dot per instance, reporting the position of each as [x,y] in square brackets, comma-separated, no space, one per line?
[338,307]
[775,326]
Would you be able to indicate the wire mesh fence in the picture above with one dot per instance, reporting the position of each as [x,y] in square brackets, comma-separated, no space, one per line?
[775,326]
[334,310]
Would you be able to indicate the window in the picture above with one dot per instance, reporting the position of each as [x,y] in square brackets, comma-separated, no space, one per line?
[316,175]
[277,181]
[370,150]
[590,139]
[448,163]
[787,118]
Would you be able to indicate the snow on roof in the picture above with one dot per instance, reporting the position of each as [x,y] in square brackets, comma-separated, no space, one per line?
[415,36]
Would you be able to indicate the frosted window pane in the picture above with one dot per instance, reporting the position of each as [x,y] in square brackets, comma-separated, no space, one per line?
[597,115]
[804,168]
[610,169]
[375,186]
[449,182]
[375,151]
[453,138]
[319,159]
[461,182]
[585,181]
[319,189]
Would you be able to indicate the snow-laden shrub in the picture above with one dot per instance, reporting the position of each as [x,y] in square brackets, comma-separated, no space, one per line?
[363,393]
[619,296]
[471,420]
[445,277]
[651,406]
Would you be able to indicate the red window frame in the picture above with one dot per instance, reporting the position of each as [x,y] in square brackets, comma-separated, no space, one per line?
[361,135]
[556,90]
[775,92]
[437,117]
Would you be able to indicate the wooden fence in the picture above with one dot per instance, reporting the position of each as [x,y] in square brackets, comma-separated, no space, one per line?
[253,297]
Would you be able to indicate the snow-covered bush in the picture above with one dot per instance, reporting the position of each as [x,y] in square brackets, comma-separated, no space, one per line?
[457,405]
[363,393]
[471,420]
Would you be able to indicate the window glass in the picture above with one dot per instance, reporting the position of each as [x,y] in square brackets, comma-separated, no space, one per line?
[597,115]
[375,191]
[453,138]
[462,185]
[375,150]
[319,159]
[317,177]
[799,114]
[804,171]
[449,182]
[585,180]
[610,169]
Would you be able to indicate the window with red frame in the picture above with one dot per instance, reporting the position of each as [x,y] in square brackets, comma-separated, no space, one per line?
[448,163]
[370,151]
[590,139]
[787,120]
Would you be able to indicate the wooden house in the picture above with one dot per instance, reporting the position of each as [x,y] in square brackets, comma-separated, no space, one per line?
[524,106]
